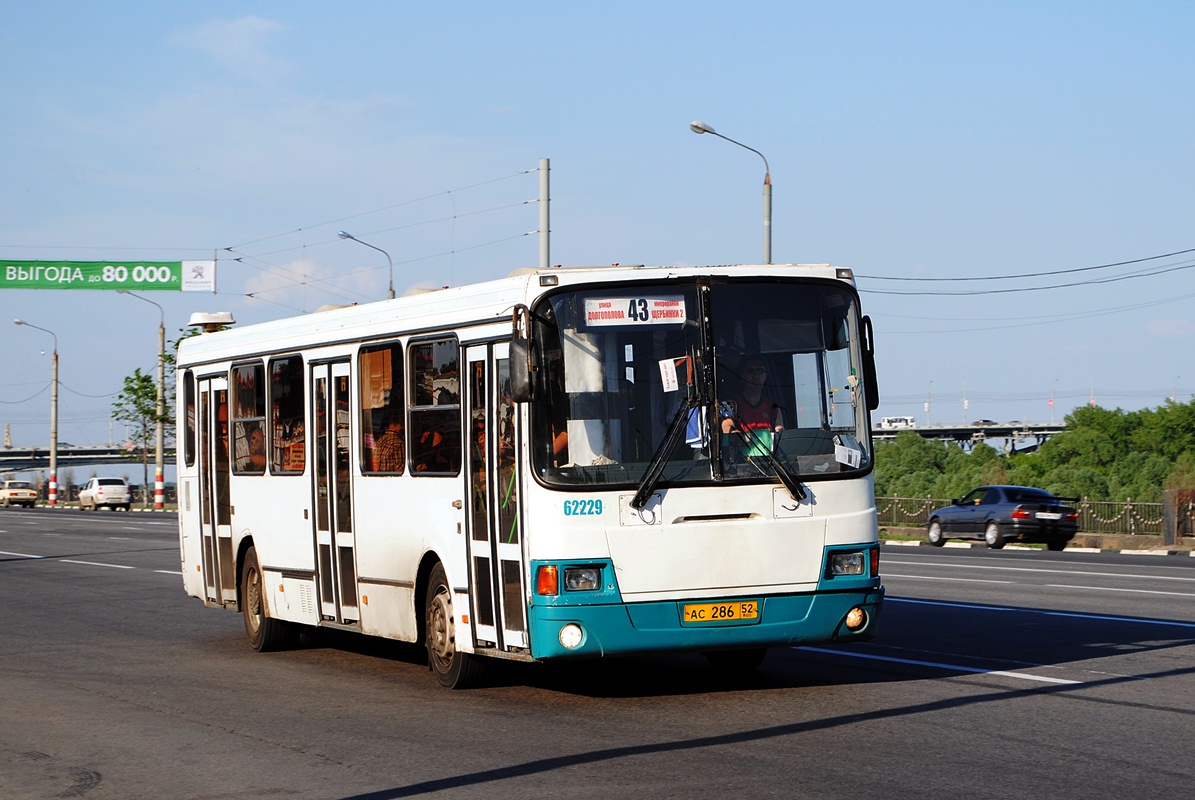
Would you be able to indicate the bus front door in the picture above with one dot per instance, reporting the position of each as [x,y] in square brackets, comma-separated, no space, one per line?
[215,507]
[333,501]
[496,562]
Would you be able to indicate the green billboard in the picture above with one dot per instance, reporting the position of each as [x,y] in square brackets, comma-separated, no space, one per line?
[140,276]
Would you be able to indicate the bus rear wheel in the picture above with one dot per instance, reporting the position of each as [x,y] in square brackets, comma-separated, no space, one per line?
[453,669]
[265,633]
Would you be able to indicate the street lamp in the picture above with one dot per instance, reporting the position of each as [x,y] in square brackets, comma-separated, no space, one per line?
[52,494]
[701,127]
[347,235]
[160,406]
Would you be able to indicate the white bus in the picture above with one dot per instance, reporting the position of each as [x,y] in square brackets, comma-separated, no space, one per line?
[898,422]
[563,463]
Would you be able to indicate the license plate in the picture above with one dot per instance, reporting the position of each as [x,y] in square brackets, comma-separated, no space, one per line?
[1048,515]
[721,612]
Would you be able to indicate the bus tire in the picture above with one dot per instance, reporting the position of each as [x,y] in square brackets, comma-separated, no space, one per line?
[935,534]
[265,633]
[736,662]
[453,669]
[993,537]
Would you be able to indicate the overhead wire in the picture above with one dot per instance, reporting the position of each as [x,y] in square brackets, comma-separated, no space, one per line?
[1028,323]
[391,207]
[1017,290]
[1032,274]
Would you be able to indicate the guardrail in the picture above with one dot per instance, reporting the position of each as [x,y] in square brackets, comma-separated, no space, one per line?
[1095,516]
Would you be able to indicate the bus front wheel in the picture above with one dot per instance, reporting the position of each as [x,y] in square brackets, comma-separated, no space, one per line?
[265,633]
[453,669]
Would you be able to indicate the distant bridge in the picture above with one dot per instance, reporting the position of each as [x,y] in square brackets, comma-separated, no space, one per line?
[18,459]
[968,435]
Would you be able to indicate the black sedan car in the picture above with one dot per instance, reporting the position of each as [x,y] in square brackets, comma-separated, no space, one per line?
[999,514]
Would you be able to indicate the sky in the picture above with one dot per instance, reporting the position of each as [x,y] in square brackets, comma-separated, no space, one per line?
[1010,181]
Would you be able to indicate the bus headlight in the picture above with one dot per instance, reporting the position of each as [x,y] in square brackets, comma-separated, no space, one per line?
[571,636]
[847,564]
[582,579]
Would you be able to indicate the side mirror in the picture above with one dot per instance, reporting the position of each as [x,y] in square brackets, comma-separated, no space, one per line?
[523,366]
[524,360]
[871,388]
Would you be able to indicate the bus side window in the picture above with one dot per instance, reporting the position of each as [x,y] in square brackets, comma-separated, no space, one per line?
[383,438]
[189,418]
[435,413]
[248,418]
[288,445]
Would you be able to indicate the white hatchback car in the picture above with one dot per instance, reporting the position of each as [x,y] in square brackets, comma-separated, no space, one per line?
[111,492]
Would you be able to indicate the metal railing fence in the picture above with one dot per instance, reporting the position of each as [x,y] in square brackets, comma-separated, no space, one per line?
[1095,516]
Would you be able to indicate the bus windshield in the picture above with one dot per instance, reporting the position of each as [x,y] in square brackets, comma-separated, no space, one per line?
[761,375]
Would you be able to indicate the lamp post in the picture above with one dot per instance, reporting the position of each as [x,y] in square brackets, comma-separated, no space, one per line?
[347,235]
[701,127]
[160,406]
[52,493]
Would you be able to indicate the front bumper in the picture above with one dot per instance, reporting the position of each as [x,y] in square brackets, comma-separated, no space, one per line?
[784,621]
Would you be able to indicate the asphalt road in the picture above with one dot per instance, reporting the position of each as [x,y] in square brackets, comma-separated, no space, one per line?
[995,675]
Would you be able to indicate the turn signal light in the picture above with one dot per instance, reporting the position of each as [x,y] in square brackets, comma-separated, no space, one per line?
[547,581]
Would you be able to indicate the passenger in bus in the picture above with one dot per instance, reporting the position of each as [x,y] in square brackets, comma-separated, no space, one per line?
[430,455]
[389,449]
[256,458]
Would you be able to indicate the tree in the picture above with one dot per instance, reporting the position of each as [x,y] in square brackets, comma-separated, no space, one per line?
[1182,477]
[137,407]
[1101,455]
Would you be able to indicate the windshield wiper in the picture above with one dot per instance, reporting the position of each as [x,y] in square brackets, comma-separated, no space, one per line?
[755,443]
[660,460]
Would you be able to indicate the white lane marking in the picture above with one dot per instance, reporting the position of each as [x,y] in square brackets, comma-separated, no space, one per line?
[970,606]
[169,571]
[96,564]
[19,555]
[1151,576]
[937,578]
[939,665]
[119,538]
[1112,589]
[1043,585]
[1068,614]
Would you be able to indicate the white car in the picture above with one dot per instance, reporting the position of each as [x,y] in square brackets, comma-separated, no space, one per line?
[111,492]
[18,493]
